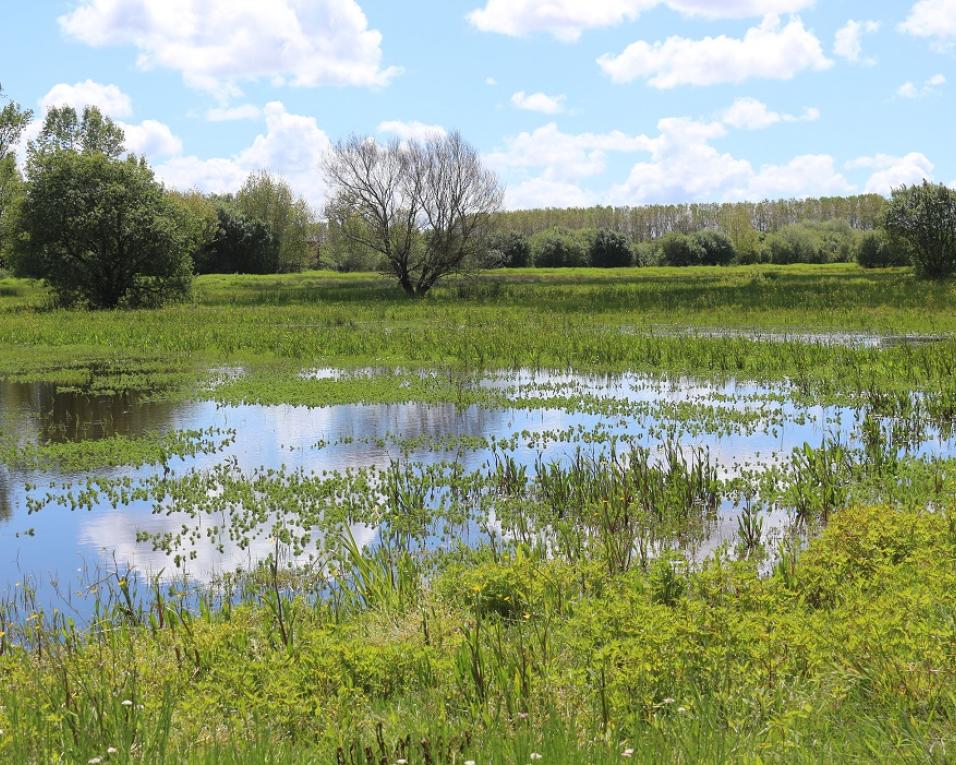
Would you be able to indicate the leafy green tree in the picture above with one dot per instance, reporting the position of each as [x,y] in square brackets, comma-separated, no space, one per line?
[13,121]
[921,220]
[101,231]
[91,133]
[270,201]
[239,246]
[715,248]
[558,249]
[737,224]
[199,218]
[610,249]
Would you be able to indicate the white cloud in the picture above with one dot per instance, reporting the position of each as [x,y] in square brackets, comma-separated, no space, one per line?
[891,172]
[216,44]
[563,156]
[933,19]
[911,90]
[152,139]
[547,167]
[411,131]
[751,114]
[538,102]
[234,113]
[567,19]
[547,192]
[108,98]
[769,51]
[490,81]
[849,41]
[805,175]
[292,147]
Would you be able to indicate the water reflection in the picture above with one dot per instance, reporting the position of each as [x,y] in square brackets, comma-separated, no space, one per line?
[55,542]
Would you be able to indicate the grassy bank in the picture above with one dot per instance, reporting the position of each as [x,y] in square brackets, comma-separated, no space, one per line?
[580,319]
[845,653]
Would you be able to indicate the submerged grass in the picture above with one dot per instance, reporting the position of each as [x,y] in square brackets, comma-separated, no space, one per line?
[580,319]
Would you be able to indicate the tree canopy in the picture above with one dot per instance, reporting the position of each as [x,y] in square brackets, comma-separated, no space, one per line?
[922,221]
[102,231]
[426,206]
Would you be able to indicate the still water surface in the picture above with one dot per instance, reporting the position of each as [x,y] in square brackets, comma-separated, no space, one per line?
[56,544]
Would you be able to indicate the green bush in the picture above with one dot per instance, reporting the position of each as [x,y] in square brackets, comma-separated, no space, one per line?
[921,220]
[510,250]
[610,249]
[873,250]
[793,244]
[715,248]
[681,250]
[558,249]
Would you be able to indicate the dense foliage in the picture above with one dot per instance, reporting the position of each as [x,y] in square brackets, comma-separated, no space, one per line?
[609,249]
[922,221]
[239,246]
[102,232]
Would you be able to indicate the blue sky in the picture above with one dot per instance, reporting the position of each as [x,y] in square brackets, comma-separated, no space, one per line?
[573,102]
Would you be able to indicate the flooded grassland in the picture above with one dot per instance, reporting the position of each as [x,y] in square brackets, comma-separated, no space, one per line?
[305,520]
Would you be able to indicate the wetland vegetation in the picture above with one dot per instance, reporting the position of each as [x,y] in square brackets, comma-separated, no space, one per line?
[689,515]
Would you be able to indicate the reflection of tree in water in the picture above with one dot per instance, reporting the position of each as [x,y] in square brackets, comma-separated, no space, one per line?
[37,412]
[6,510]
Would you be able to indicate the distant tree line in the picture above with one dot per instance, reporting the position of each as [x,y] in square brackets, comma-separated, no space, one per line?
[92,221]
[646,222]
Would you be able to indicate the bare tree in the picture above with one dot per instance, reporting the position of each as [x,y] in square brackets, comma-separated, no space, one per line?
[424,206]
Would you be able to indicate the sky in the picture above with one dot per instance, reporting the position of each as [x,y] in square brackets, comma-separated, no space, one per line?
[571,102]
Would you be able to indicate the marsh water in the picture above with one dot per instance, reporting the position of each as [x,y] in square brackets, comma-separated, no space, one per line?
[63,546]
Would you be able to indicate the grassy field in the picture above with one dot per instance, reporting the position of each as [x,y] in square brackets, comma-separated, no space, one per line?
[579,629]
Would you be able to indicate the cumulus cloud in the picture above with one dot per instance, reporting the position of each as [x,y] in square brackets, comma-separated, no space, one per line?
[890,172]
[538,102]
[216,44]
[934,20]
[547,167]
[563,156]
[751,114]
[547,192]
[912,90]
[566,19]
[849,41]
[108,98]
[769,51]
[292,146]
[234,113]
[411,131]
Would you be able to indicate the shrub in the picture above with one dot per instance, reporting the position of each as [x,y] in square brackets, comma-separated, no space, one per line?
[873,250]
[680,250]
[557,249]
[240,246]
[792,244]
[610,249]
[511,250]
[715,248]
[921,221]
